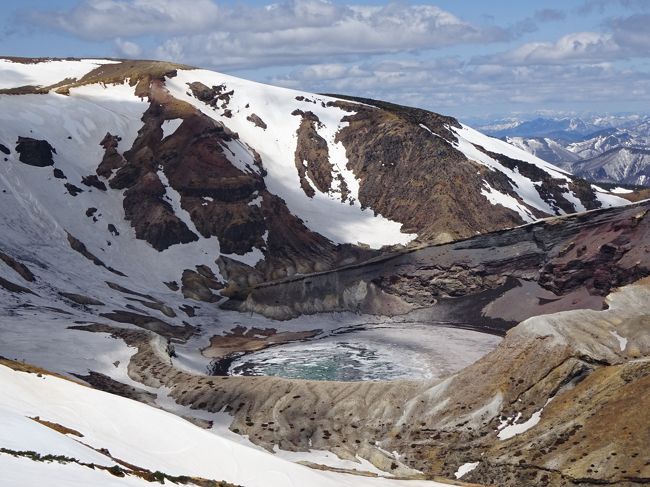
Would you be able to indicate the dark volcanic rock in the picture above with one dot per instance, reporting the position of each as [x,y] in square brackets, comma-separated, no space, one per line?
[13,287]
[35,152]
[395,158]
[153,218]
[112,158]
[257,121]
[200,285]
[93,182]
[72,189]
[4,149]
[152,324]
[59,174]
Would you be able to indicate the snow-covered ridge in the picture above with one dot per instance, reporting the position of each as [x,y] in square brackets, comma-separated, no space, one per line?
[276,144]
[45,73]
[74,125]
[135,433]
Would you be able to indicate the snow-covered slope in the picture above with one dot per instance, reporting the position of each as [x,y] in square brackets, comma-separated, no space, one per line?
[545,148]
[109,430]
[616,153]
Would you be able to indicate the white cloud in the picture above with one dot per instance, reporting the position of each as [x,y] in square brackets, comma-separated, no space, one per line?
[107,19]
[296,31]
[127,48]
[454,87]
[580,46]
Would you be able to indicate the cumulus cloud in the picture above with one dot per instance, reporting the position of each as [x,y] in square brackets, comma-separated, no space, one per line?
[449,85]
[202,32]
[579,46]
[108,19]
[127,48]
[624,38]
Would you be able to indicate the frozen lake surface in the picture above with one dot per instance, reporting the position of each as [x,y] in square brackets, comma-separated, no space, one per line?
[372,352]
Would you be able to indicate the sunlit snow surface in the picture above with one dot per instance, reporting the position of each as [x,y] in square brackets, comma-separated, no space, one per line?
[15,74]
[138,434]
[325,213]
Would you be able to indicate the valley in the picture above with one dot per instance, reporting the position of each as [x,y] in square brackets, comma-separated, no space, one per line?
[337,290]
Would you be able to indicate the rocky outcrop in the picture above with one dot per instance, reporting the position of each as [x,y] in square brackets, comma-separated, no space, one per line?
[35,152]
[588,254]
[394,158]
[312,157]
[200,285]
[17,266]
[112,159]
[78,246]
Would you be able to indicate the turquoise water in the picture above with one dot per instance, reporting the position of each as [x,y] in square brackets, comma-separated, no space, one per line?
[341,361]
[403,351]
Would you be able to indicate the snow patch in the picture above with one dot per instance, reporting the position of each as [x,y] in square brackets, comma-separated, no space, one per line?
[465,469]
[622,341]
[170,126]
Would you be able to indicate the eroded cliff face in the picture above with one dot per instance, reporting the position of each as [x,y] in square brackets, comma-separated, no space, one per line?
[562,263]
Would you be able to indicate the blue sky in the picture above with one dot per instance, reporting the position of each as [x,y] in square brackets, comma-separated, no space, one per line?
[470,59]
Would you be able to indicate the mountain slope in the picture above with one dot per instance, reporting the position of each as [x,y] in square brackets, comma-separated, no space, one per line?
[132,443]
[138,195]
[612,154]
[134,158]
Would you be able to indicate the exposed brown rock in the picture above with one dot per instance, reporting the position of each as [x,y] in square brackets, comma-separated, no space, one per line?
[93,181]
[152,324]
[112,158]
[312,157]
[125,290]
[395,158]
[19,267]
[12,287]
[105,383]
[255,120]
[216,97]
[78,246]
[241,339]
[200,287]
[72,189]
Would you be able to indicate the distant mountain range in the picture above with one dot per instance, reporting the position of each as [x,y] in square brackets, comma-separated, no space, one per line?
[611,149]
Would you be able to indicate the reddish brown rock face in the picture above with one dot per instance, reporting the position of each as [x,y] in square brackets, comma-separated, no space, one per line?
[603,258]
[418,179]
[312,156]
